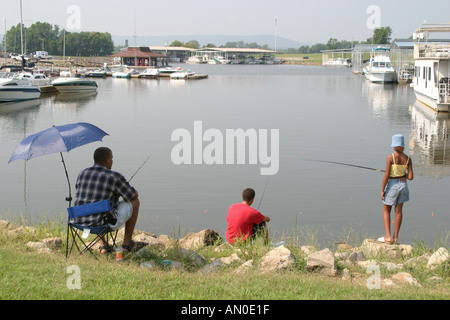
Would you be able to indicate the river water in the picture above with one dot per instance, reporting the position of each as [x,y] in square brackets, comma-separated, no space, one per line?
[320,114]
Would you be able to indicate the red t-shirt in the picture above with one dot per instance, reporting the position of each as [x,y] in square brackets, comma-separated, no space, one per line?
[241,219]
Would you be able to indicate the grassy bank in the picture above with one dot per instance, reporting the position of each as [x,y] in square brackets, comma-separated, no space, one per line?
[313,59]
[28,274]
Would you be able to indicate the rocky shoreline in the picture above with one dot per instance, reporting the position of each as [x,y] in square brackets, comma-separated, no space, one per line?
[347,262]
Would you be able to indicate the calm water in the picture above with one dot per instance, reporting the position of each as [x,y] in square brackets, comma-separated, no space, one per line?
[321,114]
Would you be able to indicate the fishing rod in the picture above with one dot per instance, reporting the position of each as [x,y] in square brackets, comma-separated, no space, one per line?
[140,167]
[262,196]
[350,165]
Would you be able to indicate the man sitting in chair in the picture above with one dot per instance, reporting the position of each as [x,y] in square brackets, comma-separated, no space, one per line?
[98,183]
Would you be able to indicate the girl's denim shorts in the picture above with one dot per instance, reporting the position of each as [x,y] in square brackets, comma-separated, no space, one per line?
[396,191]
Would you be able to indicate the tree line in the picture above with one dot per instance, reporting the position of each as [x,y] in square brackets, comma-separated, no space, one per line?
[194,44]
[42,36]
[380,36]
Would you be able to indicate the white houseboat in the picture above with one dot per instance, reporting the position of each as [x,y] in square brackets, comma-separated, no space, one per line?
[432,67]
[379,67]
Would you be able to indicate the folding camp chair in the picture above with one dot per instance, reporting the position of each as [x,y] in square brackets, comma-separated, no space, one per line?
[73,230]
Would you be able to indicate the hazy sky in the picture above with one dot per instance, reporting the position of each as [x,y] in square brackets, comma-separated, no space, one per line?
[305,21]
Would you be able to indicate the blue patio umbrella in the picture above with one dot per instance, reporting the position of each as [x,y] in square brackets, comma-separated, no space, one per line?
[58,139]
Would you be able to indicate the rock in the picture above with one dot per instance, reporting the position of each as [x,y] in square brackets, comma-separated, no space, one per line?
[35,245]
[197,240]
[167,242]
[405,277]
[346,275]
[52,243]
[219,263]
[190,257]
[216,265]
[308,249]
[357,256]
[322,260]
[144,237]
[277,259]
[439,257]
[5,225]
[435,279]
[374,248]
[414,262]
[392,266]
[343,246]
[234,258]
[389,283]
[46,245]
[367,263]
[246,266]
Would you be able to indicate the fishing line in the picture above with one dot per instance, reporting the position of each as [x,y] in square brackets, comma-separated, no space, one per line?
[140,167]
[348,164]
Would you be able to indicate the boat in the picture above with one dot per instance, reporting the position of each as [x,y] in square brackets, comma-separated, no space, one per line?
[218,60]
[149,73]
[338,63]
[74,84]
[214,61]
[123,73]
[405,74]
[97,73]
[182,74]
[38,79]
[65,74]
[17,89]
[167,71]
[431,80]
[14,88]
[197,59]
[379,68]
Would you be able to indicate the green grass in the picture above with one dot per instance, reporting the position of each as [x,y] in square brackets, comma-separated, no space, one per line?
[28,275]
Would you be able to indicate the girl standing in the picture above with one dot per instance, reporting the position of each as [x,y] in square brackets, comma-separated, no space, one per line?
[394,189]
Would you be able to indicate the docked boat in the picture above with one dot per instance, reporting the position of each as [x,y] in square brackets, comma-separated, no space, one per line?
[405,74]
[15,89]
[38,79]
[198,59]
[149,73]
[74,84]
[167,71]
[97,73]
[431,80]
[338,63]
[123,73]
[379,68]
[182,74]
[218,60]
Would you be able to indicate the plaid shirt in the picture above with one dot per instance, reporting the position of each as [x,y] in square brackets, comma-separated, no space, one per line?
[98,183]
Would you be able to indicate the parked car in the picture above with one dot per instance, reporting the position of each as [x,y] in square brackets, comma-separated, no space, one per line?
[42,55]
[18,57]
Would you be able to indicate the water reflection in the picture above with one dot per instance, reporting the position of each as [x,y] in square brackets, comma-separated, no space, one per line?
[429,141]
[13,108]
[388,101]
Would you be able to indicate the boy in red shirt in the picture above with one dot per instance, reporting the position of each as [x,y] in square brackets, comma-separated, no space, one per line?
[244,221]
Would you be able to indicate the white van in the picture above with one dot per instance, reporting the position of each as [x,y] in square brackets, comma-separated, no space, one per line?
[42,55]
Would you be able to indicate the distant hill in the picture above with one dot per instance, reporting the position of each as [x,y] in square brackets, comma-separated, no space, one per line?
[217,40]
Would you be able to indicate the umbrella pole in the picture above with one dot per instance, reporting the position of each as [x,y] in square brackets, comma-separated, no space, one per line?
[69,198]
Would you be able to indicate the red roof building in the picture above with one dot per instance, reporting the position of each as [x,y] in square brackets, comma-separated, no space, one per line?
[140,56]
